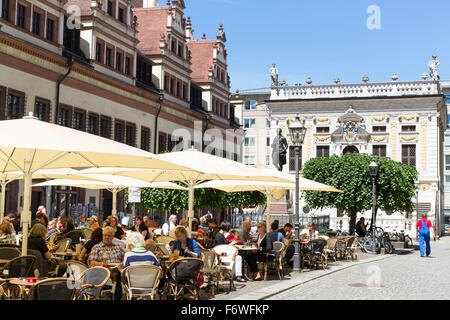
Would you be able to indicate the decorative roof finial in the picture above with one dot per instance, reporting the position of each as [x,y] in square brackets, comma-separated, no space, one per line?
[204,36]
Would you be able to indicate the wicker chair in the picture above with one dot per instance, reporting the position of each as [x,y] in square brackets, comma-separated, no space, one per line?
[164,239]
[75,269]
[52,237]
[87,233]
[341,246]
[52,289]
[92,282]
[351,248]
[277,264]
[211,269]
[182,275]
[141,281]
[8,253]
[163,248]
[75,236]
[316,256]
[63,245]
[330,249]
[19,267]
[227,256]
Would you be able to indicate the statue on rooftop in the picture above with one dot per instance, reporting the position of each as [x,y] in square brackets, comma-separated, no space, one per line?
[274,75]
[433,64]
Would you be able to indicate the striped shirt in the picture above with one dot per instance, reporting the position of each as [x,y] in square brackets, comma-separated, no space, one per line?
[139,256]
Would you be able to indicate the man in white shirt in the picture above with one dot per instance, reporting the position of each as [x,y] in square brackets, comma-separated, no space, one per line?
[169,226]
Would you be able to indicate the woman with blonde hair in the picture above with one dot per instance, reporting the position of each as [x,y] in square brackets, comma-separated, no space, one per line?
[6,235]
[187,247]
[36,241]
[260,256]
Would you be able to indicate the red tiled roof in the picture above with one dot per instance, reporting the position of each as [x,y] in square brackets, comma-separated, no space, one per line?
[201,59]
[151,23]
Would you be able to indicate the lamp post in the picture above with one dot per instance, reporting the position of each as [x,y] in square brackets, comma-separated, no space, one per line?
[373,171]
[417,185]
[297,133]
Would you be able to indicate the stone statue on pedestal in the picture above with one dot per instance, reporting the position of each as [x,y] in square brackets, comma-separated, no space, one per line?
[433,64]
[279,150]
[274,75]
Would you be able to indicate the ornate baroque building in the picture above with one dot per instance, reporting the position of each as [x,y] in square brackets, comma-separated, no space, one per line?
[405,121]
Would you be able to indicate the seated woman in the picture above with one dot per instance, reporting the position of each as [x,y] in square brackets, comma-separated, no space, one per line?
[83,222]
[195,228]
[260,256]
[6,235]
[138,254]
[118,231]
[139,226]
[224,236]
[183,223]
[36,241]
[96,238]
[94,222]
[187,247]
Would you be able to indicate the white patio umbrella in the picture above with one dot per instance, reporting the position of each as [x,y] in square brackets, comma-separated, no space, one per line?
[8,177]
[268,188]
[203,167]
[114,184]
[29,145]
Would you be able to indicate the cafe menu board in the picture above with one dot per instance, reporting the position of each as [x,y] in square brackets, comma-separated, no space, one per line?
[134,195]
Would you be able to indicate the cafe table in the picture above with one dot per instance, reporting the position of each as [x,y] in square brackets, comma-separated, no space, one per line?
[23,285]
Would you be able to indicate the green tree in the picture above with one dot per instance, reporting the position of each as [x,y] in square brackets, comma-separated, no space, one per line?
[177,200]
[350,174]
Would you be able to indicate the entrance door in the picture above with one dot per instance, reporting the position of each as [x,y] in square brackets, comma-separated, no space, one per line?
[107,203]
[350,150]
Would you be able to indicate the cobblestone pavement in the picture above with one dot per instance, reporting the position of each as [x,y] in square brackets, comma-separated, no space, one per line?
[406,276]
[259,290]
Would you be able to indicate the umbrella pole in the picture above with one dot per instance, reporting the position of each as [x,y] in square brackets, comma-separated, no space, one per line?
[191,206]
[114,202]
[2,215]
[268,210]
[26,214]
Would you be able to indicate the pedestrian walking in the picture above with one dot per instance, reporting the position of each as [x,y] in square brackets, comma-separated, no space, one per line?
[424,228]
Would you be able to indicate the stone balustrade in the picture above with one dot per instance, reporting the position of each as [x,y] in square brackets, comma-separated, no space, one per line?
[355,90]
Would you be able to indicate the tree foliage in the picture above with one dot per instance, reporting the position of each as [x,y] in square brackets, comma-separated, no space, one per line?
[350,173]
[177,200]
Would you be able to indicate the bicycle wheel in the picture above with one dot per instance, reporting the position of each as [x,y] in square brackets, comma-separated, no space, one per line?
[388,245]
[368,245]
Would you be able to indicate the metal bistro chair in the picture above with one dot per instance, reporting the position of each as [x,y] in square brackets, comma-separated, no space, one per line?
[141,281]
[92,282]
[227,257]
[53,289]
[182,276]
[279,251]
[211,268]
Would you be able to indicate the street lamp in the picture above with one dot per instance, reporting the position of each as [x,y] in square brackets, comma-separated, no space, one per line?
[373,171]
[297,133]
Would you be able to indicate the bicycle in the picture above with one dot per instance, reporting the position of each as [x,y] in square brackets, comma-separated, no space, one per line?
[382,240]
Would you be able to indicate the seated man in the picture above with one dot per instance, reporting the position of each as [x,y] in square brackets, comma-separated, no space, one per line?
[106,252]
[138,254]
[361,228]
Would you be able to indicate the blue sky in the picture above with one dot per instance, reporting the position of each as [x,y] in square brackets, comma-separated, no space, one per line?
[323,39]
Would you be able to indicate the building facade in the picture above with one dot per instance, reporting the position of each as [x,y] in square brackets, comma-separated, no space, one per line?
[405,121]
[114,68]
